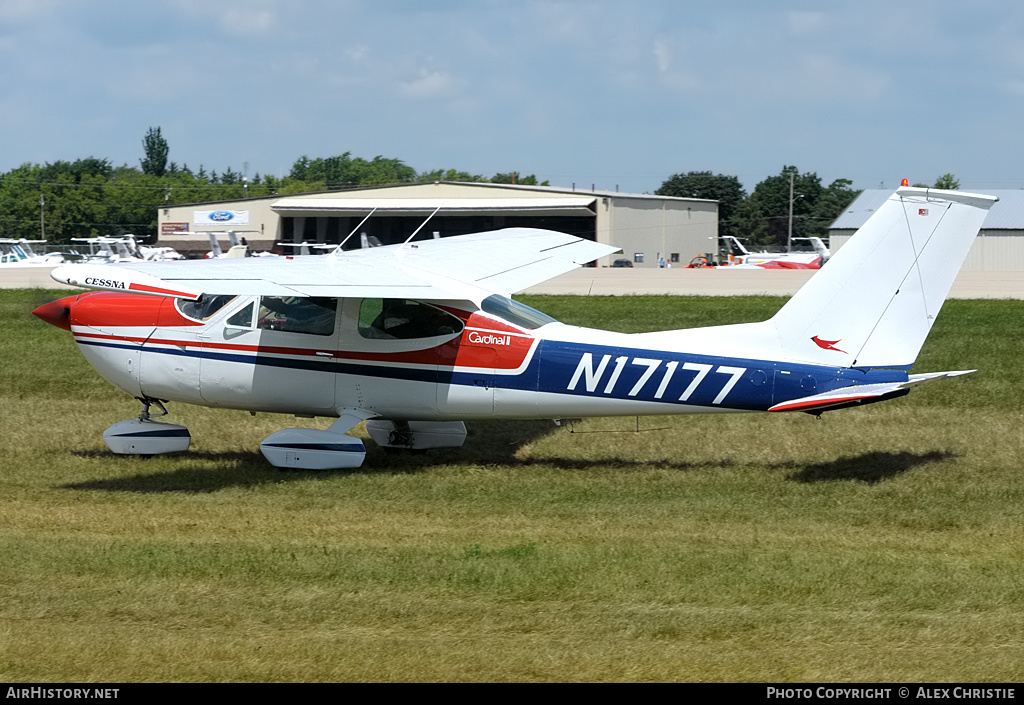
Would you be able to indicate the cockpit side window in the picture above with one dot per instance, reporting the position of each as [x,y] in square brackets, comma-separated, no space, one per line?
[242,318]
[297,314]
[516,313]
[204,307]
[402,319]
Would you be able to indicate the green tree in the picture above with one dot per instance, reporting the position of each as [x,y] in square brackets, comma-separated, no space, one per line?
[514,177]
[830,204]
[133,200]
[156,149]
[344,171]
[764,216]
[74,195]
[20,190]
[450,175]
[727,190]
[946,181]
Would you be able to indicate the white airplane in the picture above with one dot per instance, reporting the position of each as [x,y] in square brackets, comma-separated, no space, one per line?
[779,260]
[125,248]
[415,338]
[307,248]
[19,253]
[236,247]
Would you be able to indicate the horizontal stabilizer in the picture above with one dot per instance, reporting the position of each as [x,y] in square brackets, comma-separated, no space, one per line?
[861,394]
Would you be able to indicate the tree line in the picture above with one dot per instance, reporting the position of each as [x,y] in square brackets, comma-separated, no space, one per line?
[91,197]
[788,200]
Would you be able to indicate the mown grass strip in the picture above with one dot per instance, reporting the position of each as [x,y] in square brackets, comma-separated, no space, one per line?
[877,544]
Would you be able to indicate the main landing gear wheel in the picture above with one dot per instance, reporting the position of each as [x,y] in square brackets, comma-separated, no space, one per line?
[314,449]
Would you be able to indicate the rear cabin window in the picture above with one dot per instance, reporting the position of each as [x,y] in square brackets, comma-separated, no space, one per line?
[297,314]
[515,313]
[401,319]
[204,307]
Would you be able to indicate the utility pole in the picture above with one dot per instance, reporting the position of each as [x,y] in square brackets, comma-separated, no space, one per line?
[42,216]
[789,235]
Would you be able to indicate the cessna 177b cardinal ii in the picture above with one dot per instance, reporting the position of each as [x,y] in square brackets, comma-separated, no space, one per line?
[416,338]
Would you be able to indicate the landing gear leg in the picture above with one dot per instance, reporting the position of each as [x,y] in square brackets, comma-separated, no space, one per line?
[144,415]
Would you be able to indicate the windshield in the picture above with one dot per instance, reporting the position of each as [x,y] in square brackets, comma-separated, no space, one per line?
[515,313]
[203,307]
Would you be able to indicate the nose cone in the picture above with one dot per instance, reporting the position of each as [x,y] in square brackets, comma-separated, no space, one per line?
[57,313]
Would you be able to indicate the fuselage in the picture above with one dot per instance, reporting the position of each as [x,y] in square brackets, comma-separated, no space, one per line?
[420,361]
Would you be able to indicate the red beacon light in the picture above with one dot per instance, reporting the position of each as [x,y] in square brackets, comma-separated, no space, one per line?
[905,182]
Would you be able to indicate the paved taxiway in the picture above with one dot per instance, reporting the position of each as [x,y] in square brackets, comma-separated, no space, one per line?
[679,281]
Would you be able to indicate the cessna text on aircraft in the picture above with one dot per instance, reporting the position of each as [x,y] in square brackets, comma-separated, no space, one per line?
[415,339]
[104,283]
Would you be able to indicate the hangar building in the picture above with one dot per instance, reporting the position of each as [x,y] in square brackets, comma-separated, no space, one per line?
[998,248]
[647,228]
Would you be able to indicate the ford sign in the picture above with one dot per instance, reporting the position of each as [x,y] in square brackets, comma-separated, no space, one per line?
[221,216]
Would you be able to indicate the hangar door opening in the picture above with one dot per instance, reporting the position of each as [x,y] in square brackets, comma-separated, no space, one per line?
[328,221]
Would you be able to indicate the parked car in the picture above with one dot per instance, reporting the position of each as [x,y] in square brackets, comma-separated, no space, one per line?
[622,263]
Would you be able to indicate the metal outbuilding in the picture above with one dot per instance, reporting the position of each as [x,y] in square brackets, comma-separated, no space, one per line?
[647,228]
[1000,243]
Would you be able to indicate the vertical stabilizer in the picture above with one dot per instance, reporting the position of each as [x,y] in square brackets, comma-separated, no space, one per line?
[874,302]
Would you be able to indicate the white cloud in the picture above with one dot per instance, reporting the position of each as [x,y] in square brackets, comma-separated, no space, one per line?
[429,85]
[247,21]
[670,74]
[662,56]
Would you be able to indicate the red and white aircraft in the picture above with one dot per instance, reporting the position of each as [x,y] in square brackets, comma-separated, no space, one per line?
[743,259]
[414,339]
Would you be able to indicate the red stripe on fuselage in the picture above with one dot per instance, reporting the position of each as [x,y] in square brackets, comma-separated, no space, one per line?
[453,353]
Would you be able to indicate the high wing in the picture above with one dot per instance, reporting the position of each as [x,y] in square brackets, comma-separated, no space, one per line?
[860,394]
[464,267]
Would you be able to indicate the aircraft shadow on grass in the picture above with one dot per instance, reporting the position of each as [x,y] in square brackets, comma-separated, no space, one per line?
[870,468]
[493,443]
[489,443]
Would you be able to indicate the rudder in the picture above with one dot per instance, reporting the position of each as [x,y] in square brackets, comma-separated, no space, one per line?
[874,301]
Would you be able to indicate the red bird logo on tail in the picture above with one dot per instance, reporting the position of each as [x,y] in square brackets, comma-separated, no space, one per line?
[827,344]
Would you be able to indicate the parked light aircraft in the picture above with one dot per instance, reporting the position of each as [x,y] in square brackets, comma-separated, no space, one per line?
[125,248]
[778,260]
[237,248]
[19,253]
[415,338]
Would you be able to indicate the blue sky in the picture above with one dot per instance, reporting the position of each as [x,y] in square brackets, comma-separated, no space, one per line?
[591,92]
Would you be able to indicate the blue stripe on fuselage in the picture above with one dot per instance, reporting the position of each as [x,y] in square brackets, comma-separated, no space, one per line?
[581,369]
[680,378]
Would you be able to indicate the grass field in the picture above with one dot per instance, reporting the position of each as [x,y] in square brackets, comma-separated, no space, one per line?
[876,544]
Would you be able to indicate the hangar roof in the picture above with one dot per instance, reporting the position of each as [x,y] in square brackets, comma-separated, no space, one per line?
[501,191]
[561,205]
